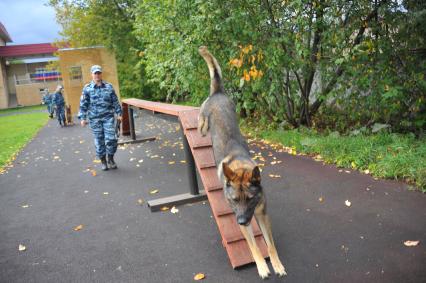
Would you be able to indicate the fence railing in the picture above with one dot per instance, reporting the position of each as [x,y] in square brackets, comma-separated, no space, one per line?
[39,77]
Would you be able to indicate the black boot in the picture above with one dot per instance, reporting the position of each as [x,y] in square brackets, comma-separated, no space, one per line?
[104,163]
[111,162]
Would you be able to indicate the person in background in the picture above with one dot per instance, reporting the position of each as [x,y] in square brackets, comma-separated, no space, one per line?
[59,101]
[47,100]
[98,104]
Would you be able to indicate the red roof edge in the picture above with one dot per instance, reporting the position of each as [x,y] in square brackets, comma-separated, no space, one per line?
[27,49]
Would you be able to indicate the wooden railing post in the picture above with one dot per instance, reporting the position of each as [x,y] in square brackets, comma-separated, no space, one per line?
[125,127]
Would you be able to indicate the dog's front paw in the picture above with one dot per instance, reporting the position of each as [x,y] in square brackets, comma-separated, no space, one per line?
[278,268]
[263,270]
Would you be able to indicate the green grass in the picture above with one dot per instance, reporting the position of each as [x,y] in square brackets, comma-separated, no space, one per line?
[16,131]
[23,109]
[384,155]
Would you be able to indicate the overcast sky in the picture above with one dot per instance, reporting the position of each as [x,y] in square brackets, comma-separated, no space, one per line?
[29,21]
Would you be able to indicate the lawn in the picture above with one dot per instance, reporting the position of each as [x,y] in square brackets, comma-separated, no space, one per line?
[384,155]
[16,131]
[22,109]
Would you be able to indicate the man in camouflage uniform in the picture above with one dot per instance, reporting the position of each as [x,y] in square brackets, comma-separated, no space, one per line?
[98,104]
[47,100]
[59,103]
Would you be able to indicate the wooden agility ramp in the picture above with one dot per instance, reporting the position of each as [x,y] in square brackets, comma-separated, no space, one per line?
[202,152]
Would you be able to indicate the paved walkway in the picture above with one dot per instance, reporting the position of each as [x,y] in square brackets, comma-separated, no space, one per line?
[51,189]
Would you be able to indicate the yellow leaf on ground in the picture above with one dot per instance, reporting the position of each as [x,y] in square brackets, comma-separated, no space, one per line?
[154,191]
[321,199]
[183,161]
[171,162]
[96,161]
[106,193]
[141,201]
[164,208]
[22,248]
[411,243]
[93,172]
[199,276]
[56,157]
[25,206]
[78,228]
[82,141]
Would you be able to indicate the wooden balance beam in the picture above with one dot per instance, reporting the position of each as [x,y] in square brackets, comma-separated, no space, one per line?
[199,151]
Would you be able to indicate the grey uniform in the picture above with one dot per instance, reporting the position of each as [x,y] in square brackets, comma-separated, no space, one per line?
[98,104]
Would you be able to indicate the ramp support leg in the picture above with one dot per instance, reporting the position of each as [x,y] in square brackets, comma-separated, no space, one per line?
[194,194]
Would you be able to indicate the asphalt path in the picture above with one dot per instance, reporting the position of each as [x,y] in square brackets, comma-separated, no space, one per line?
[55,185]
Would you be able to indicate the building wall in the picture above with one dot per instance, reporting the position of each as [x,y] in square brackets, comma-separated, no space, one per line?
[31,94]
[4,94]
[85,58]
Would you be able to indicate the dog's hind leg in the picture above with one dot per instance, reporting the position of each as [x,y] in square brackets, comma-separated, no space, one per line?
[203,119]
[262,267]
[203,124]
[265,226]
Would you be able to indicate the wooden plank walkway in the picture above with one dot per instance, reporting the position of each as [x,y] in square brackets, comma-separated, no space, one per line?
[202,151]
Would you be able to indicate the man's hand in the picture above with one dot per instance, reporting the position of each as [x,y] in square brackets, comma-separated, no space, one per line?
[83,123]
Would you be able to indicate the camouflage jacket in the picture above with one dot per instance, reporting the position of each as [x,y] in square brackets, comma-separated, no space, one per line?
[58,99]
[98,101]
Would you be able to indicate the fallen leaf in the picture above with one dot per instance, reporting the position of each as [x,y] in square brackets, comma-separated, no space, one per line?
[199,276]
[140,160]
[153,191]
[183,161]
[141,201]
[22,248]
[348,203]
[96,161]
[93,172]
[164,208]
[78,228]
[174,210]
[411,243]
[76,151]
[82,141]
[132,159]
[274,176]
[321,199]
[25,206]
[56,157]
[106,193]
[171,162]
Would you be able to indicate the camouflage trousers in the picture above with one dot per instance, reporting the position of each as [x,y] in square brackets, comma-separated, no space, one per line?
[60,114]
[105,137]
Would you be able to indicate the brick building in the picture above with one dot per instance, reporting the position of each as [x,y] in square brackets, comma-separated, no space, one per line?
[24,74]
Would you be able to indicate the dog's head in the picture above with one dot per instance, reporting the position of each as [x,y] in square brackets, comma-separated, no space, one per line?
[242,189]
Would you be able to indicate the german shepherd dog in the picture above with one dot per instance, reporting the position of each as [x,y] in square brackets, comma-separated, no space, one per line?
[239,174]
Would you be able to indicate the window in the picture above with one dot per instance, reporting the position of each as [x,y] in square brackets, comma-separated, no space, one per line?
[76,74]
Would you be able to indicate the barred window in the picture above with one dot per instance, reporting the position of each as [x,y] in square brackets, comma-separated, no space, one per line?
[75,73]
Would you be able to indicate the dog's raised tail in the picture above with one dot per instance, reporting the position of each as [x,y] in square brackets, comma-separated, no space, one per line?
[216,85]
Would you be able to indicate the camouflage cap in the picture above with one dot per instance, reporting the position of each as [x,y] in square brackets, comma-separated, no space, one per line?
[96,68]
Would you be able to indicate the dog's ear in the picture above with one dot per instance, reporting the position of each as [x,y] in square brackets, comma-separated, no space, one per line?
[227,172]
[255,175]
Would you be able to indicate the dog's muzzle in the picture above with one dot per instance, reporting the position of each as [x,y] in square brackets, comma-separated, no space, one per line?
[243,220]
